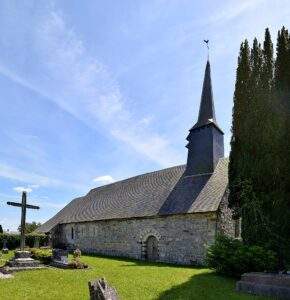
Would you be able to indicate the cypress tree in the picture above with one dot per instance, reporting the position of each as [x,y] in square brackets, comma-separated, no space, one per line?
[241,99]
[282,71]
[259,170]
[281,202]
[268,133]
[268,64]
[253,153]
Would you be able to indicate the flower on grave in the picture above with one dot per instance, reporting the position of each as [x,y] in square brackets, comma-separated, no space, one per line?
[77,254]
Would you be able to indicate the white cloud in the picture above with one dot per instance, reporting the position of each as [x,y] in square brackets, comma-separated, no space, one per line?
[14,173]
[8,223]
[20,189]
[84,87]
[34,186]
[105,179]
[45,203]
[155,148]
[146,121]
[34,180]
[234,9]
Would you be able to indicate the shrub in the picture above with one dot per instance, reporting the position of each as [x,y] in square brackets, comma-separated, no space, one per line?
[43,255]
[13,240]
[75,264]
[231,257]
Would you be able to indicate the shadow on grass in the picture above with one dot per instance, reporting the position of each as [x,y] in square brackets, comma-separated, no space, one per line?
[209,286]
[142,263]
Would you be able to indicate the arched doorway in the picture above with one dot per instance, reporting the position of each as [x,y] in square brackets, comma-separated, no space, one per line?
[152,248]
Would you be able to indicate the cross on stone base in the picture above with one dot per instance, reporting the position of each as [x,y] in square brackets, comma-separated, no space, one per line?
[22,259]
[23,206]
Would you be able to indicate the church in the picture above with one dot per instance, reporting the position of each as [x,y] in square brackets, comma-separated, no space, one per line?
[170,215]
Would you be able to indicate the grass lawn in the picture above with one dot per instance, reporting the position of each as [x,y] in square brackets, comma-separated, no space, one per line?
[132,279]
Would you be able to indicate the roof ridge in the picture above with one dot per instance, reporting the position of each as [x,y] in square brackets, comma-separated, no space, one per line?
[130,178]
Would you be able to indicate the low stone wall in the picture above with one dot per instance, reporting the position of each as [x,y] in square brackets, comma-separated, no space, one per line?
[182,239]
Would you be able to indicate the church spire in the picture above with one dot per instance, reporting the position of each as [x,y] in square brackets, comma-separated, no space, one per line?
[206,110]
[205,139]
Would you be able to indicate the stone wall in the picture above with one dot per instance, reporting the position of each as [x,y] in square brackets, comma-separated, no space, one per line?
[225,223]
[181,238]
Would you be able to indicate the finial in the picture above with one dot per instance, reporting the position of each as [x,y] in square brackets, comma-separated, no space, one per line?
[207,45]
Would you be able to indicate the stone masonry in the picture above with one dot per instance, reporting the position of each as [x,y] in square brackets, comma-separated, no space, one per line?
[225,223]
[182,239]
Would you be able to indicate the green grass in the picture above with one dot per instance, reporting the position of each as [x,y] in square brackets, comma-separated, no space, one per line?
[132,279]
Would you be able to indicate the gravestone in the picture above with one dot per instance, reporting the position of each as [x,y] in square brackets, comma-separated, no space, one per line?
[5,249]
[49,241]
[36,242]
[265,284]
[100,290]
[60,258]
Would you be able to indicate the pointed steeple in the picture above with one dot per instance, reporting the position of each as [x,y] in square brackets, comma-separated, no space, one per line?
[205,139]
[206,109]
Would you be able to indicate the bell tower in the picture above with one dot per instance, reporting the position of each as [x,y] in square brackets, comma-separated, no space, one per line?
[205,139]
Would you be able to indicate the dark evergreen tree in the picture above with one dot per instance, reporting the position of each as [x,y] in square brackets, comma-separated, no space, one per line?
[1,229]
[281,205]
[259,170]
[282,70]
[268,64]
[252,211]
[241,101]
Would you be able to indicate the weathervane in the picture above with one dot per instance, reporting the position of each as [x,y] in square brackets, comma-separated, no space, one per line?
[207,46]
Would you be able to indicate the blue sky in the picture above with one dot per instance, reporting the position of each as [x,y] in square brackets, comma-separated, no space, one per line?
[97,91]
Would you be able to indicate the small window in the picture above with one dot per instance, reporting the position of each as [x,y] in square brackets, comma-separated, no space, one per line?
[237,225]
[72,233]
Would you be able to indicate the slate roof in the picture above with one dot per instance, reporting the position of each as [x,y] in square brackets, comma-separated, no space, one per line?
[206,113]
[163,192]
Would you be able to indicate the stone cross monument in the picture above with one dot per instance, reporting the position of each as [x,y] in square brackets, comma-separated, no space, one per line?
[22,259]
[23,206]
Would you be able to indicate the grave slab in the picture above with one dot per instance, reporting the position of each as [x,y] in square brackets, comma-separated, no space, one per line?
[265,284]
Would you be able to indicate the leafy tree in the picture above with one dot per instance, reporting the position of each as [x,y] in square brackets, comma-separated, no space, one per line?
[30,227]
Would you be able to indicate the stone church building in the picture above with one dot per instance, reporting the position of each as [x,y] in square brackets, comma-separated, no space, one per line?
[170,215]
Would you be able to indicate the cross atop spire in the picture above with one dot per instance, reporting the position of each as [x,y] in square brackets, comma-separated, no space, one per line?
[206,110]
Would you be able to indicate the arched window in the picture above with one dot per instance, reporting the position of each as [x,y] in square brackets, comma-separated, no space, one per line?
[72,233]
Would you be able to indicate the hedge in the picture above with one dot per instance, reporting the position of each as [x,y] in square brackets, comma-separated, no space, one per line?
[13,240]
